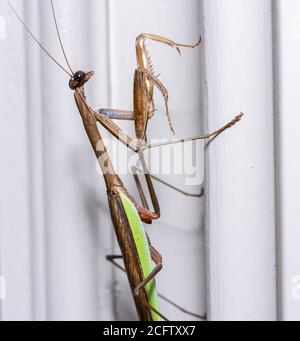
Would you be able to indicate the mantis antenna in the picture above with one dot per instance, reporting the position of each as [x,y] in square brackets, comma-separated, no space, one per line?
[60,39]
[36,40]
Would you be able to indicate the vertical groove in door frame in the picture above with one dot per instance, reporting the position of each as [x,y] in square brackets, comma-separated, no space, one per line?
[109,31]
[277,134]
[36,174]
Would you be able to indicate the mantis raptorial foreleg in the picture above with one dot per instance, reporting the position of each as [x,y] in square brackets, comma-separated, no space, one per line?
[163,90]
[130,142]
[144,61]
[140,42]
[106,115]
[145,80]
[116,114]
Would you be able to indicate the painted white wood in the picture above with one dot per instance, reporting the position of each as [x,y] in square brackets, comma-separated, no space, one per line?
[15,224]
[55,228]
[287,21]
[240,165]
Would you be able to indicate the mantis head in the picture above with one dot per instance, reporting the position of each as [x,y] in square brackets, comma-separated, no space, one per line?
[80,78]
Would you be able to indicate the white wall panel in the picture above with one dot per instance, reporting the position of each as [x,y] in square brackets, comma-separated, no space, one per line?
[15,220]
[287,52]
[54,226]
[240,167]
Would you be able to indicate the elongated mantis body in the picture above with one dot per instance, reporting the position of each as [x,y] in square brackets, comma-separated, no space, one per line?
[128,216]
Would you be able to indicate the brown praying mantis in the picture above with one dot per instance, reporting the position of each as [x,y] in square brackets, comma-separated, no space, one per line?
[141,261]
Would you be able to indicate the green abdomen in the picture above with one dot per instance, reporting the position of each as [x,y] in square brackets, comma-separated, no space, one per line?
[143,249]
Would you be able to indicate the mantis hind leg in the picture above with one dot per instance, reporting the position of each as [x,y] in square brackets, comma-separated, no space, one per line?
[113,258]
[157,260]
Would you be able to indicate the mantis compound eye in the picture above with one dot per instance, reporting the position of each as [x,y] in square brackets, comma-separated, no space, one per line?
[78,80]
[79,76]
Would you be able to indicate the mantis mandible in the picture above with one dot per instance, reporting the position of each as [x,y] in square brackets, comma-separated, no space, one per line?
[138,255]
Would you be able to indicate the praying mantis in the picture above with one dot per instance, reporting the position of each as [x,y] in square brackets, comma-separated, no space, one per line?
[138,255]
